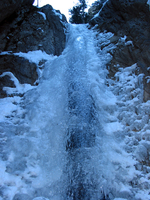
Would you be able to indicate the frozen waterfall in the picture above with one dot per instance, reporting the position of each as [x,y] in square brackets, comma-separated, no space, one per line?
[63,142]
[68,112]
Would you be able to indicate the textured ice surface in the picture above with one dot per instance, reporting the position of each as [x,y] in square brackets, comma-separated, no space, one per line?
[77,135]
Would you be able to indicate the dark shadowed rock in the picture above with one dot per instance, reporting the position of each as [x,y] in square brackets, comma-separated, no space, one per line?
[8,7]
[22,69]
[28,29]
[32,29]
[5,81]
[130,18]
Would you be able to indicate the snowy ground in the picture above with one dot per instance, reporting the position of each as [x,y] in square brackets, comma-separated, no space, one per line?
[34,162]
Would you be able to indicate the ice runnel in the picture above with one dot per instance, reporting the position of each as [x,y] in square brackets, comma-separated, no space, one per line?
[81,138]
[82,124]
[82,119]
[80,103]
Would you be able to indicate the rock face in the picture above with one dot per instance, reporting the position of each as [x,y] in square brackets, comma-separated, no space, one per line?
[130,18]
[24,70]
[34,29]
[8,7]
[29,29]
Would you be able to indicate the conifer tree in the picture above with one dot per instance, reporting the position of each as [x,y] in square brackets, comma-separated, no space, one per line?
[78,14]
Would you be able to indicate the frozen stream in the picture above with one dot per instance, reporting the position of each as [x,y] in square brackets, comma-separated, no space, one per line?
[70,118]
[65,139]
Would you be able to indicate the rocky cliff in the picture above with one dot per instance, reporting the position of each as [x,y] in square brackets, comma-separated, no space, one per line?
[130,23]
[25,28]
[9,7]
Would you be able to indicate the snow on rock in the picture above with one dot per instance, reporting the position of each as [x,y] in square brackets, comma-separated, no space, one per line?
[5,53]
[133,114]
[19,89]
[97,15]
[58,14]
[43,15]
[31,71]
[35,56]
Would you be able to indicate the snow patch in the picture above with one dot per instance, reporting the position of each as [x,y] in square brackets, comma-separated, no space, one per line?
[97,15]
[19,89]
[112,127]
[35,56]
[32,56]
[7,106]
[129,43]
[58,14]
[6,53]
[43,15]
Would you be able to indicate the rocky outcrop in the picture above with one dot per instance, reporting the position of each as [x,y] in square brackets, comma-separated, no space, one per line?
[8,7]
[24,70]
[30,29]
[34,29]
[130,19]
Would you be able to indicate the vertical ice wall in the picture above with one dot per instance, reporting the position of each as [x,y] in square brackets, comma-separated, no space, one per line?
[63,144]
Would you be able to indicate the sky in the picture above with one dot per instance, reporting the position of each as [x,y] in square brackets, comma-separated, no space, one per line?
[62,5]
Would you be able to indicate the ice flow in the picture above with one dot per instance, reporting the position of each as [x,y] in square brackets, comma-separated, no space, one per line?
[66,111]
[63,147]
